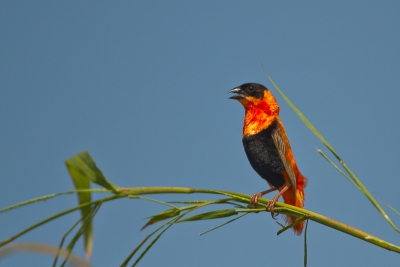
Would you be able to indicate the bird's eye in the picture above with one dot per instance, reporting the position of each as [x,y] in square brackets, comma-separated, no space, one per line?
[251,89]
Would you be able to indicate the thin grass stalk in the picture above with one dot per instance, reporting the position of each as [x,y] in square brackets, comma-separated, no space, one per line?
[63,240]
[88,218]
[43,198]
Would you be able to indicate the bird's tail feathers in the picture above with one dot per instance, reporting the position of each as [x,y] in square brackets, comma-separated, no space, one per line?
[298,201]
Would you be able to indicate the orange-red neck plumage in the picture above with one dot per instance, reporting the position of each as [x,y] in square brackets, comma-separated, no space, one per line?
[260,113]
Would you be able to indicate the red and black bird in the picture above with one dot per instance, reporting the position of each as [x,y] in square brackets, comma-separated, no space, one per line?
[268,150]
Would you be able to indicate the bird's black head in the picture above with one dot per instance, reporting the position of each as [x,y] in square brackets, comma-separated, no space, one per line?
[255,90]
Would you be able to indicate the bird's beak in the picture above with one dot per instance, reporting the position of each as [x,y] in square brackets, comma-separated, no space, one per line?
[240,94]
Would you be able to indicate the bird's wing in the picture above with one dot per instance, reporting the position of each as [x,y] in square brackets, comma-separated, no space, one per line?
[281,147]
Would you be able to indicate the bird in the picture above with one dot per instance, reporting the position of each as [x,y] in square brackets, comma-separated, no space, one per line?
[268,149]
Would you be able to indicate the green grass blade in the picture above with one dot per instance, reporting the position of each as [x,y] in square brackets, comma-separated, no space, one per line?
[390,207]
[337,168]
[225,223]
[216,214]
[237,197]
[63,240]
[162,216]
[82,182]
[84,167]
[43,198]
[370,197]
[292,224]
[190,201]
[305,245]
[175,211]
[126,261]
[168,224]
[281,225]
[314,130]
[84,197]
[86,222]
[236,205]
[154,200]
[150,245]
[24,203]
[83,170]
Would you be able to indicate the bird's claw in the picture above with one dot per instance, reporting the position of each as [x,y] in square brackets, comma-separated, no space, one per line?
[254,200]
[271,206]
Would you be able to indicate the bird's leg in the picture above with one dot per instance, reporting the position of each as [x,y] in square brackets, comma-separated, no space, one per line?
[271,203]
[254,198]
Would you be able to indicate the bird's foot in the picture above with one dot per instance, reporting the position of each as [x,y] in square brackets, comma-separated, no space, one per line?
[271,206]
[254,200]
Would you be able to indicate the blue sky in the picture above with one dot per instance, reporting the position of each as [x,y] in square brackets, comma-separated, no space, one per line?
[143,86]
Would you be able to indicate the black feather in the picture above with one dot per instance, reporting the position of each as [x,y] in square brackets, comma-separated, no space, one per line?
[264,156]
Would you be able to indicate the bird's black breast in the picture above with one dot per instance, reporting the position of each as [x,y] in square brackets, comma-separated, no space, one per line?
[264,156]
